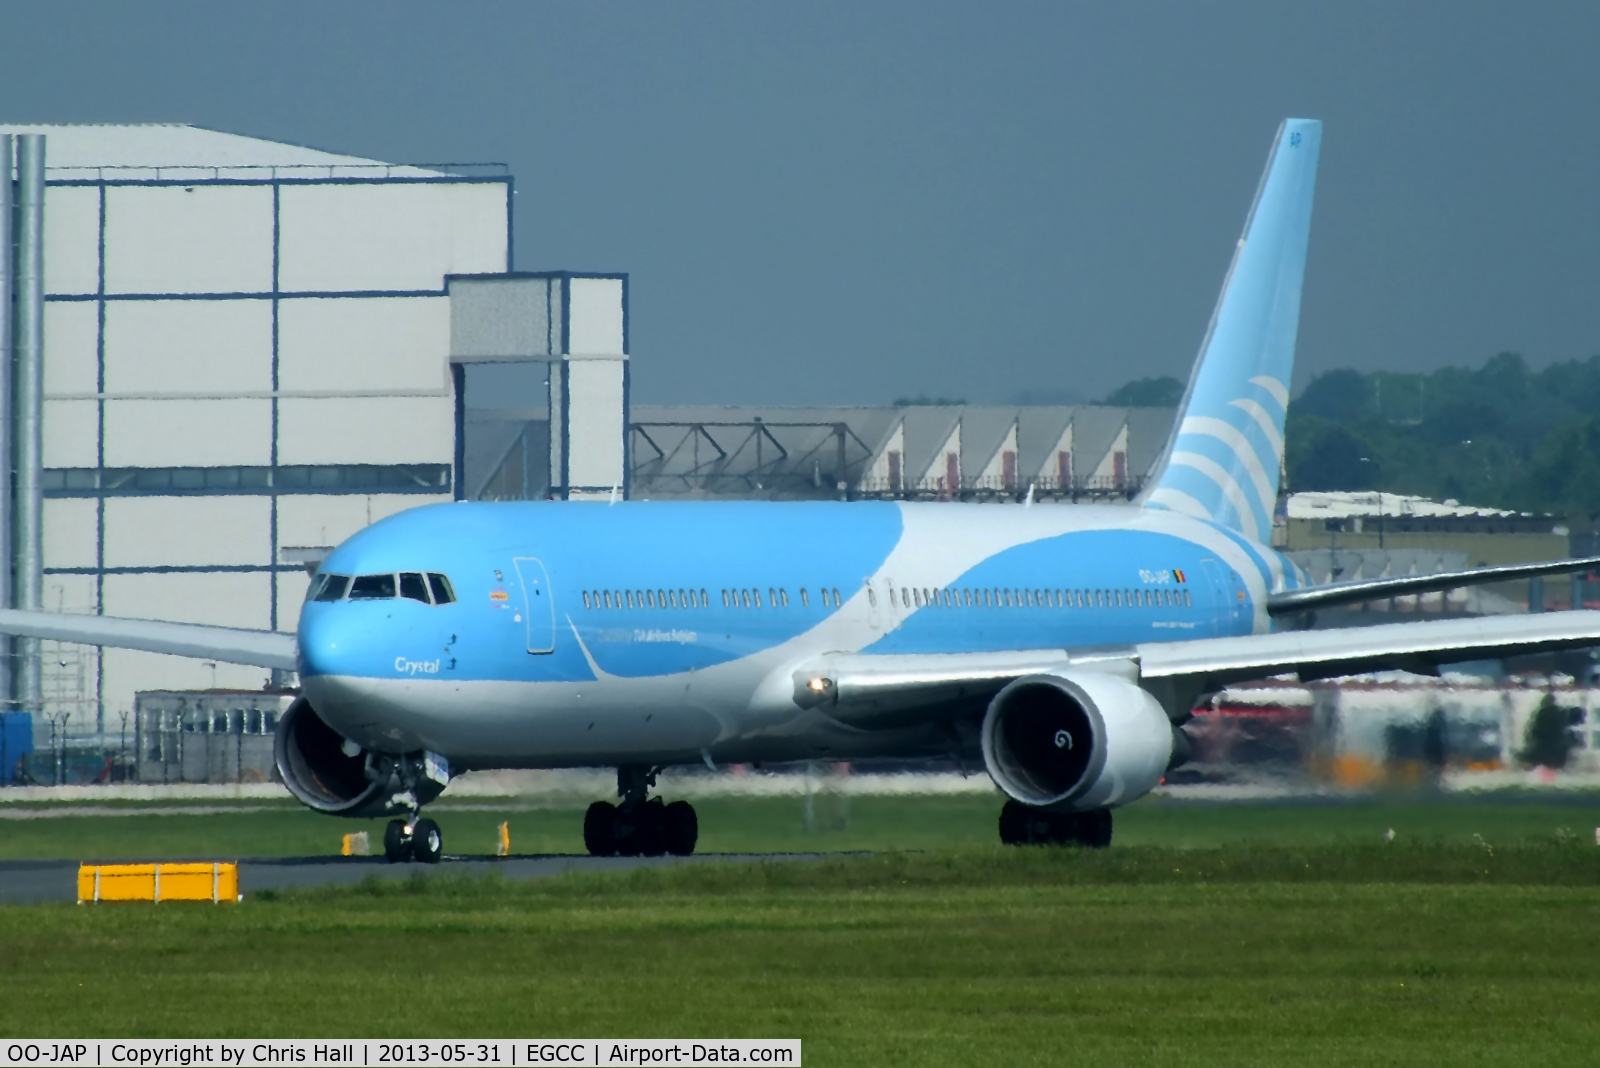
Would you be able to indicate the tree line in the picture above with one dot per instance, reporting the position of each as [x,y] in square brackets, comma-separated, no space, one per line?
[1499,435]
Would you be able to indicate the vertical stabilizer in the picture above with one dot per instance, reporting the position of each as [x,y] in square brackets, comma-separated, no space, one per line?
[1226,450]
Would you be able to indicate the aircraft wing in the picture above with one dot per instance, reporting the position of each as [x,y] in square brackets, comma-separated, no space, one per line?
[1359,590]
[261,648]
[1320,654]
[881,691]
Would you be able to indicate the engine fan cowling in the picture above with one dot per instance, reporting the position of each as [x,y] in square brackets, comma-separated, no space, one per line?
[1076,741]
[315,765]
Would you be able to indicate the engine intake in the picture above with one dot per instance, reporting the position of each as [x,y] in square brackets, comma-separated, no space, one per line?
[328,773]
[1076,741]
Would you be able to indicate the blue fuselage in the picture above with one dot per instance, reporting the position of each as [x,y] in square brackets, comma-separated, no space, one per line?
[588,633]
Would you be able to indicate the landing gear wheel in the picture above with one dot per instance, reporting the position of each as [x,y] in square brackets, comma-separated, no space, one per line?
[396,842]
[1025,825]
[427,844]
[1065,828]
[1094,828]
[652,829]
[599,829]
[627,830]
[1014,823]
[681,828]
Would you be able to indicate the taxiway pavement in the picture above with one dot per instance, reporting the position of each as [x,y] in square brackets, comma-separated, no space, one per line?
[34,881]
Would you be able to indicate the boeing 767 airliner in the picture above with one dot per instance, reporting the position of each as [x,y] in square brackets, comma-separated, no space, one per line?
[1064,647]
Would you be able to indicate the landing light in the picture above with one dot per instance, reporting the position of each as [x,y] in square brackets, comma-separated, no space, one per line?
[820,685]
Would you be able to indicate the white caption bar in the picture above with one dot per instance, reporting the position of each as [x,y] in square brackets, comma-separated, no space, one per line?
[498,1053]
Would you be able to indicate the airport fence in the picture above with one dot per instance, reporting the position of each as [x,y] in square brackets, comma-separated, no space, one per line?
[171,736]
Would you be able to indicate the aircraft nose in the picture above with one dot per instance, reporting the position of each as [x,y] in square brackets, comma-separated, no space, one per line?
[329,642]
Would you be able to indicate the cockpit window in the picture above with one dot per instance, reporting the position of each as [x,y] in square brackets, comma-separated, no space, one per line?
[442,592]
[413,585]
[372,587]
[329,587]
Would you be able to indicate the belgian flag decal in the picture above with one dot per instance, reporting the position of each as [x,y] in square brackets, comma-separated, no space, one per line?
[1179,574]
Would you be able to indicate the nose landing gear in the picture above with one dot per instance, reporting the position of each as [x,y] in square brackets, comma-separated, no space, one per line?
[413,839]
[1025,825]
[640,825]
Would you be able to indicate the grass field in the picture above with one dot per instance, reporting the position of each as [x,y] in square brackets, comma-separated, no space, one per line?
[1237,935]
[1240,955]
[759,825]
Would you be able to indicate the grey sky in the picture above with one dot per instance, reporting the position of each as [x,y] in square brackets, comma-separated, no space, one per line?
[845,203]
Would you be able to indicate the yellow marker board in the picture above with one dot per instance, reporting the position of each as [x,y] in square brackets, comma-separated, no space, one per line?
[216,883]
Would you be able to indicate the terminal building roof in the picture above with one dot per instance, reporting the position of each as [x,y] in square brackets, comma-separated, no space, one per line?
[1343,504]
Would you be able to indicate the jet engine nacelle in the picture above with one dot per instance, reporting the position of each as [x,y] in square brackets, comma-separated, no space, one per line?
[328,773]
[1076,741]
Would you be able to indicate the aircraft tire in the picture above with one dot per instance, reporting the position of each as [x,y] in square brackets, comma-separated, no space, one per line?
[682,828]
[396,845]
[599,829]
[1013,823]
[652,828]
[427,843]
[1094,828]
[627,833]
[1066,828]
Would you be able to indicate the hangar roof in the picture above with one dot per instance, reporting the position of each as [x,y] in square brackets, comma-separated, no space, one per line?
[1038,435]
[149,147]
[984,429]
[783,452]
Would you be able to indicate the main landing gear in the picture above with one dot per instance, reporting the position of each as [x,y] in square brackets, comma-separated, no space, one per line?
[640,825]
[1025,825]
[413,839]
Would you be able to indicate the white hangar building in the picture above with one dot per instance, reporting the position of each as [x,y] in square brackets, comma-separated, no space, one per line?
[251,352]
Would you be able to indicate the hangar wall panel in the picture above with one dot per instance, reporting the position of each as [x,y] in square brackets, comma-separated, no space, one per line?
[189,239]
[189,346]
[219,599]
[389,237]
[504,318]
[595,326]
[364,344]
[71,533]
[367,430]
[69,593]
[292,586]
[328,520]
[71,433]
[71,347]
[188,433]
[187,531]
[71,239]
[128,671]
[595,427]
[225,599]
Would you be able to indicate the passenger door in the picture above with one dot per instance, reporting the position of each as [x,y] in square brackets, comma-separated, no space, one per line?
[538,606]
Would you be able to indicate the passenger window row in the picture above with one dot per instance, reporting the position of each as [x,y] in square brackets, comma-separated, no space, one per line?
[429,588]
[645,599]
[986,597]
[750,597]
